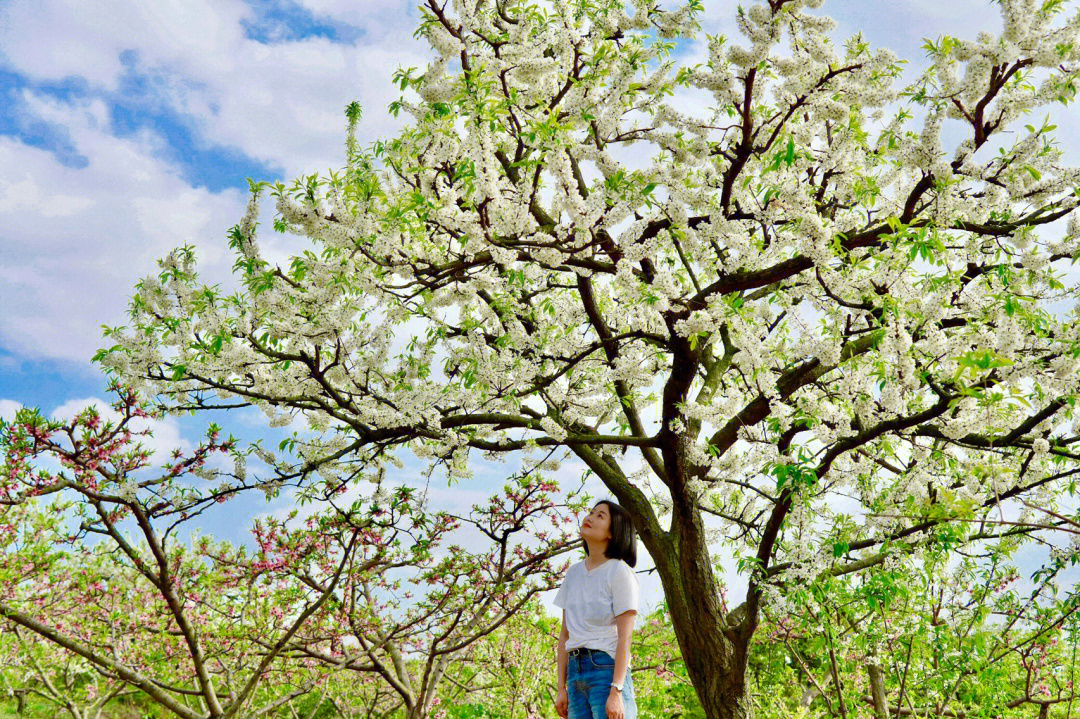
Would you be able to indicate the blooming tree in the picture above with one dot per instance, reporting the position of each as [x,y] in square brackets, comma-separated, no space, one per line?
[798,301]
[315,597]
[149,612]
[947,635]
[425,606]
[32,669]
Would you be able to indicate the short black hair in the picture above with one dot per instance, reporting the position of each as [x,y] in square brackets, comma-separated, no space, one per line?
[623,542]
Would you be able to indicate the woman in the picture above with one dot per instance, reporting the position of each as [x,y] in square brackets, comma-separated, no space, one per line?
[599,599]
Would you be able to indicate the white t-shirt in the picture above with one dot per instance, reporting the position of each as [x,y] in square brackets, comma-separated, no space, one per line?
[592,599]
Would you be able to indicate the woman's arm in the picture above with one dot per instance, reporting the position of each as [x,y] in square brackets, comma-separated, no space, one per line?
[625,624]
[563,657]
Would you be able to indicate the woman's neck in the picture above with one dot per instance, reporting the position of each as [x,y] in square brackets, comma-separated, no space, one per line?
[597,555]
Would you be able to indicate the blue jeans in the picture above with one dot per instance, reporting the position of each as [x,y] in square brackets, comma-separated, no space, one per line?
[588,685]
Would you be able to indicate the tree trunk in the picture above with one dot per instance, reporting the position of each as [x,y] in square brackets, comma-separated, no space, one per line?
[877,690]
[714,647]
[416,711]
[717,668]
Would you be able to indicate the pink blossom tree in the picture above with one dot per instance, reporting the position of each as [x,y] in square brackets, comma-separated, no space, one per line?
[405,622]
[250,631]
[31,667]
[147,612]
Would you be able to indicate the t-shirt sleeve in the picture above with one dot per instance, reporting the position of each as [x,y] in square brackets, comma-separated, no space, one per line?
[624,589]
[560,597]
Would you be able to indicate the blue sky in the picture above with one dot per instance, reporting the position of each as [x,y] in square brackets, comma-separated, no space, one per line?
[128,128]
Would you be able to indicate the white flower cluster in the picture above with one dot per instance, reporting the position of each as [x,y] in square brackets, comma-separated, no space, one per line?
[247,227]
[127,490]
[239,466]
[207,473]
[263,454]
[271,487]
[698,321]
[422,308]
[553,428]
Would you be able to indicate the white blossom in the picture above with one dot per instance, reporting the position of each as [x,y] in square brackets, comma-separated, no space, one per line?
[497,276]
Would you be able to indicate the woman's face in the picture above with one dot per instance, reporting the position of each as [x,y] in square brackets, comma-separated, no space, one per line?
[597,526]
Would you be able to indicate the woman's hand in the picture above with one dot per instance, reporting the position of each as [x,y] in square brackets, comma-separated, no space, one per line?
[562,703]
[615,708]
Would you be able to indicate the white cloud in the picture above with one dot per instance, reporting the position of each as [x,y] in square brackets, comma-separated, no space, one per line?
[87,49]
[8,408]
[377,17]
[280,103]
[26,196]
[76,240]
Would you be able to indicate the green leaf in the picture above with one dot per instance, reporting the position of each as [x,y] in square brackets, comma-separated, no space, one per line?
[353,111]
[977,360]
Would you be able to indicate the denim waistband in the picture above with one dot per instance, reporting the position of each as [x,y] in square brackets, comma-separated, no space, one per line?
[582,651]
